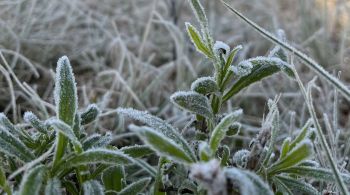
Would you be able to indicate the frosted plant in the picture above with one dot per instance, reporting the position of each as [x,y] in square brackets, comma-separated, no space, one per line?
[71,152]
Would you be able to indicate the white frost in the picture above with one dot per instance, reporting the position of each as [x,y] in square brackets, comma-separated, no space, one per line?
[221,48]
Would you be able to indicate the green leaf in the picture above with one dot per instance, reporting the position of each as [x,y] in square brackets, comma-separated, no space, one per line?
[32,181]
[136,187]
[66,101]
[65,92]
[205,152]
[248,182]
[316,173]
[285,147]
[261,67]
[301,152]
[97,141]
[53,187]
[31,118]
[66,130]
[302,135]
[225,156]
[137,151]
[231,57]
[113,178]
[90,114]
[278,52]
[297,185]
[193,102]
[93,187]
[199,12]
[3,181]
[95,156]
[162,145]
[160,126]
[12,146]
[282,187]
[219,131]
[7,125]
[198,41]
[205,85]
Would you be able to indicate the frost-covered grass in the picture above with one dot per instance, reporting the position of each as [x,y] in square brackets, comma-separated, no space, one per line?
[164,101]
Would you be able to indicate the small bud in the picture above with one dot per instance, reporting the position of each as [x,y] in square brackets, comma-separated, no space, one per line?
[240,158]
[221,48]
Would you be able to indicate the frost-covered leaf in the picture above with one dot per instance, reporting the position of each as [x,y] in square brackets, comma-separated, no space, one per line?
[225,156]
[278,52]
[198,41]
[32,181]
[316,173]
[113,178]
[53,187]
[193,102]
[219,131]
[97,141]
[137,151]
[248,182]
[231,56]
[161,144]
[298,186]
[301,152]
[255,69]
[31,118]
[205,85]
[205,152]
[7,125]
[136,187]
[65,129]
[95,156]
[285,147]
[158,125]
[199,12]
[90,114]
[2,177]
[92,187]
[65,93]
[301,135]
[12,146]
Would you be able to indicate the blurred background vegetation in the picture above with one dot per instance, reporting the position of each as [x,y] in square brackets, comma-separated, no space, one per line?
[135,53]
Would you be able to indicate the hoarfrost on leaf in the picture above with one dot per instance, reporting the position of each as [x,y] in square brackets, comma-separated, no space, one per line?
[243,68]
[193,102]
